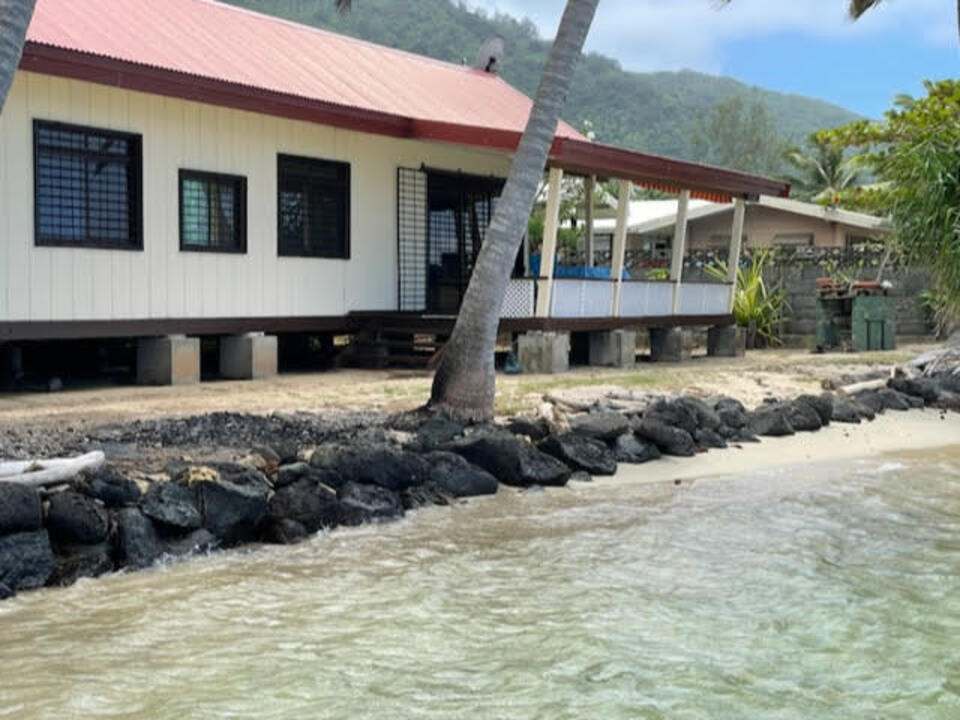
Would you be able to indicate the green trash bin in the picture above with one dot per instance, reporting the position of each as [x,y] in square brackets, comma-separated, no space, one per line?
[873,323]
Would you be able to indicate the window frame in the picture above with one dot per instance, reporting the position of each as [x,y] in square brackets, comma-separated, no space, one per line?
[240,183]
[134,241]
[344,252]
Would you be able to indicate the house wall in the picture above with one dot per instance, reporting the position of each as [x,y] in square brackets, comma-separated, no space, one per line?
[44,283]
[762,225]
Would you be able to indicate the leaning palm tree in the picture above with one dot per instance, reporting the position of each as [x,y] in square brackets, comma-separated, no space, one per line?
[14,19]
[822,171]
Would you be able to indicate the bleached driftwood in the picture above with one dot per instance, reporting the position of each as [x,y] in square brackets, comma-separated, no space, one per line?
[862,386]
[39,473]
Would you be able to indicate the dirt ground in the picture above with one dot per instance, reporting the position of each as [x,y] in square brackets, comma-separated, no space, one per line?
[760,374]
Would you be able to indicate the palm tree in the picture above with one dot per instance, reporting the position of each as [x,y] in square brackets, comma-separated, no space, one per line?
[14,19]
[822,171]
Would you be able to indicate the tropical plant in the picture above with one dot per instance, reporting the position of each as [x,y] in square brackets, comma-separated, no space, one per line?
[756,306]
[916,151]
[14,19]
[822,171]
[741,135]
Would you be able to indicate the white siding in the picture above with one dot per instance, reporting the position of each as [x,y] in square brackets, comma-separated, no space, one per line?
[38,283]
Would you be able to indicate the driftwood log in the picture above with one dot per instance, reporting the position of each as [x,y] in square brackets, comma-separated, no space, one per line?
[40,473]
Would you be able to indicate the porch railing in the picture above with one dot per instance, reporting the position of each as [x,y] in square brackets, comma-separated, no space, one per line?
[582,297]
[519,301]
[646,298]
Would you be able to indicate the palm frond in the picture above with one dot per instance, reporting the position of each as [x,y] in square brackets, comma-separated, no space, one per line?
[343,6]
[859,7]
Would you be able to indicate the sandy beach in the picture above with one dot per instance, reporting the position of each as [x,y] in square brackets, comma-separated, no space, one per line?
[892,432]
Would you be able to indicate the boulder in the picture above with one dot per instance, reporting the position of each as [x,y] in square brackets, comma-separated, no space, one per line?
[871,400]
[289,474]
[174,505]
[771,421]
[604,426]
[845,411]
[729,404]
[198,541]
[80,561]
[111,488]
[707,438]
[949,381]
[866,412]
[822,404]
[235,505]
[373,465]
[802,416]
[580,453]
[26,561]
[286,450]
[928,389]
[670,440]
[20,509]
[425,495]
[76,518]
[949,400]
[535,429]
[893,400]
[628,448]
[733,418]
[457,477]
[511,461]
[363,503]
[138,545]
[706,416]
[675,414]
[284,532]
[436,431]
[308,502]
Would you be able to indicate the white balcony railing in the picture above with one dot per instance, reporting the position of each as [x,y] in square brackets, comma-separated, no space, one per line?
[582,298]
[704,299]
[641,298]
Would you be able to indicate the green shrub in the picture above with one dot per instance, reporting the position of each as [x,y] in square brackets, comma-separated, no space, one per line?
[756,307]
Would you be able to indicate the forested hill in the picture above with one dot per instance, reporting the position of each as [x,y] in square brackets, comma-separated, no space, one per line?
[654,112]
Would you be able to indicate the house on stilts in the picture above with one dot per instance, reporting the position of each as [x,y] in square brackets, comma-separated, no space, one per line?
[179,170]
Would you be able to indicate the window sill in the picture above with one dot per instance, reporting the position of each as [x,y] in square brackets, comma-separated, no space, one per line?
[87,246]
[214,250]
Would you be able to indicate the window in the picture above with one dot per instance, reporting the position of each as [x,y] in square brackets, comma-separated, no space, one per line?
[87,187]
[793,240]
[313,208]
[723,241]
[213,212]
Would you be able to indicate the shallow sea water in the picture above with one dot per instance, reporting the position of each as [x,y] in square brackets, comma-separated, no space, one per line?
[807,592]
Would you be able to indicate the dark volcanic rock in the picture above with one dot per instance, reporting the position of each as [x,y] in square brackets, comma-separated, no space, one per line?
[111,488]
[457,477]
[234,506]
[928,389]
[26,561]
[866,411]
[770,420]
[437,431]
[893,400]
[76,518]
[803,417]
[706,416]
[285,532]
[628,448]
[729,404]
[360,503]
[822,404]
[511,461]
[580,453]
[137,543]
[308,502]
[733,418]
[949,400]
[871,400]
[845,411]
[669,439]
[536,430]
[288,474]
[374,465]
[199,541]
[707,438]
[174,505]
[79,561]
[604,426]
[20,509]
[675,414]
[949,381]
[425,495]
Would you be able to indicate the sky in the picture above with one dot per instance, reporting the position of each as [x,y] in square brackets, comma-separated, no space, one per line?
[809,47]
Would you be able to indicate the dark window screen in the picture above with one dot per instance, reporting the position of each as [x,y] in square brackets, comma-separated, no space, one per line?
[313,207]
[87,187]
[213,213]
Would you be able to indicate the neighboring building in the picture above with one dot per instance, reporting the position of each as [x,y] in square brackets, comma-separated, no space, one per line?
[186,167]
[769,222]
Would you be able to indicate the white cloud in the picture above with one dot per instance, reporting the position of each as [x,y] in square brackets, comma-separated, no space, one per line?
[674,34]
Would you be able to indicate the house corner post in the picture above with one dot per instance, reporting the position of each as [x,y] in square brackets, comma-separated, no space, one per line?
[679,247]
[736,247]
[548,251]
[620,244]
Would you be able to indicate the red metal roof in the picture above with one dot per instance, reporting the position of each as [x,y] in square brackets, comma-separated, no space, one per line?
[216,53]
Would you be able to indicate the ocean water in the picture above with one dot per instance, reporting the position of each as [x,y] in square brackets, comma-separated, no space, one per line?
[820,591]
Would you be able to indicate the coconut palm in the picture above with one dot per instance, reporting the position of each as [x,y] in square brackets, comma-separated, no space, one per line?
[14,19]
[822,172]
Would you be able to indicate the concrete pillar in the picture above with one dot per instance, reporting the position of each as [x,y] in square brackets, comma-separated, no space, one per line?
[736,246]
[252,356]
[170,360]
[616,348]
[618,250]
[679,247]
[548,251]
[670,344]
[727,341]
[544,352]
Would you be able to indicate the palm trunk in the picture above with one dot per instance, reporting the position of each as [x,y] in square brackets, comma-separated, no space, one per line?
[465,380]
[14,18]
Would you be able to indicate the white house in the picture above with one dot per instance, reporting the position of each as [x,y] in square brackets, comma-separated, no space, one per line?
[185,168]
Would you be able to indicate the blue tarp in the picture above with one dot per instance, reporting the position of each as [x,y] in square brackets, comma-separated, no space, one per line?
[573,271]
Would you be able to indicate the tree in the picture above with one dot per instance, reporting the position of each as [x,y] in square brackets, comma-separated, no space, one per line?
[822,171]
[14,19]
[741,136]
[915,150]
